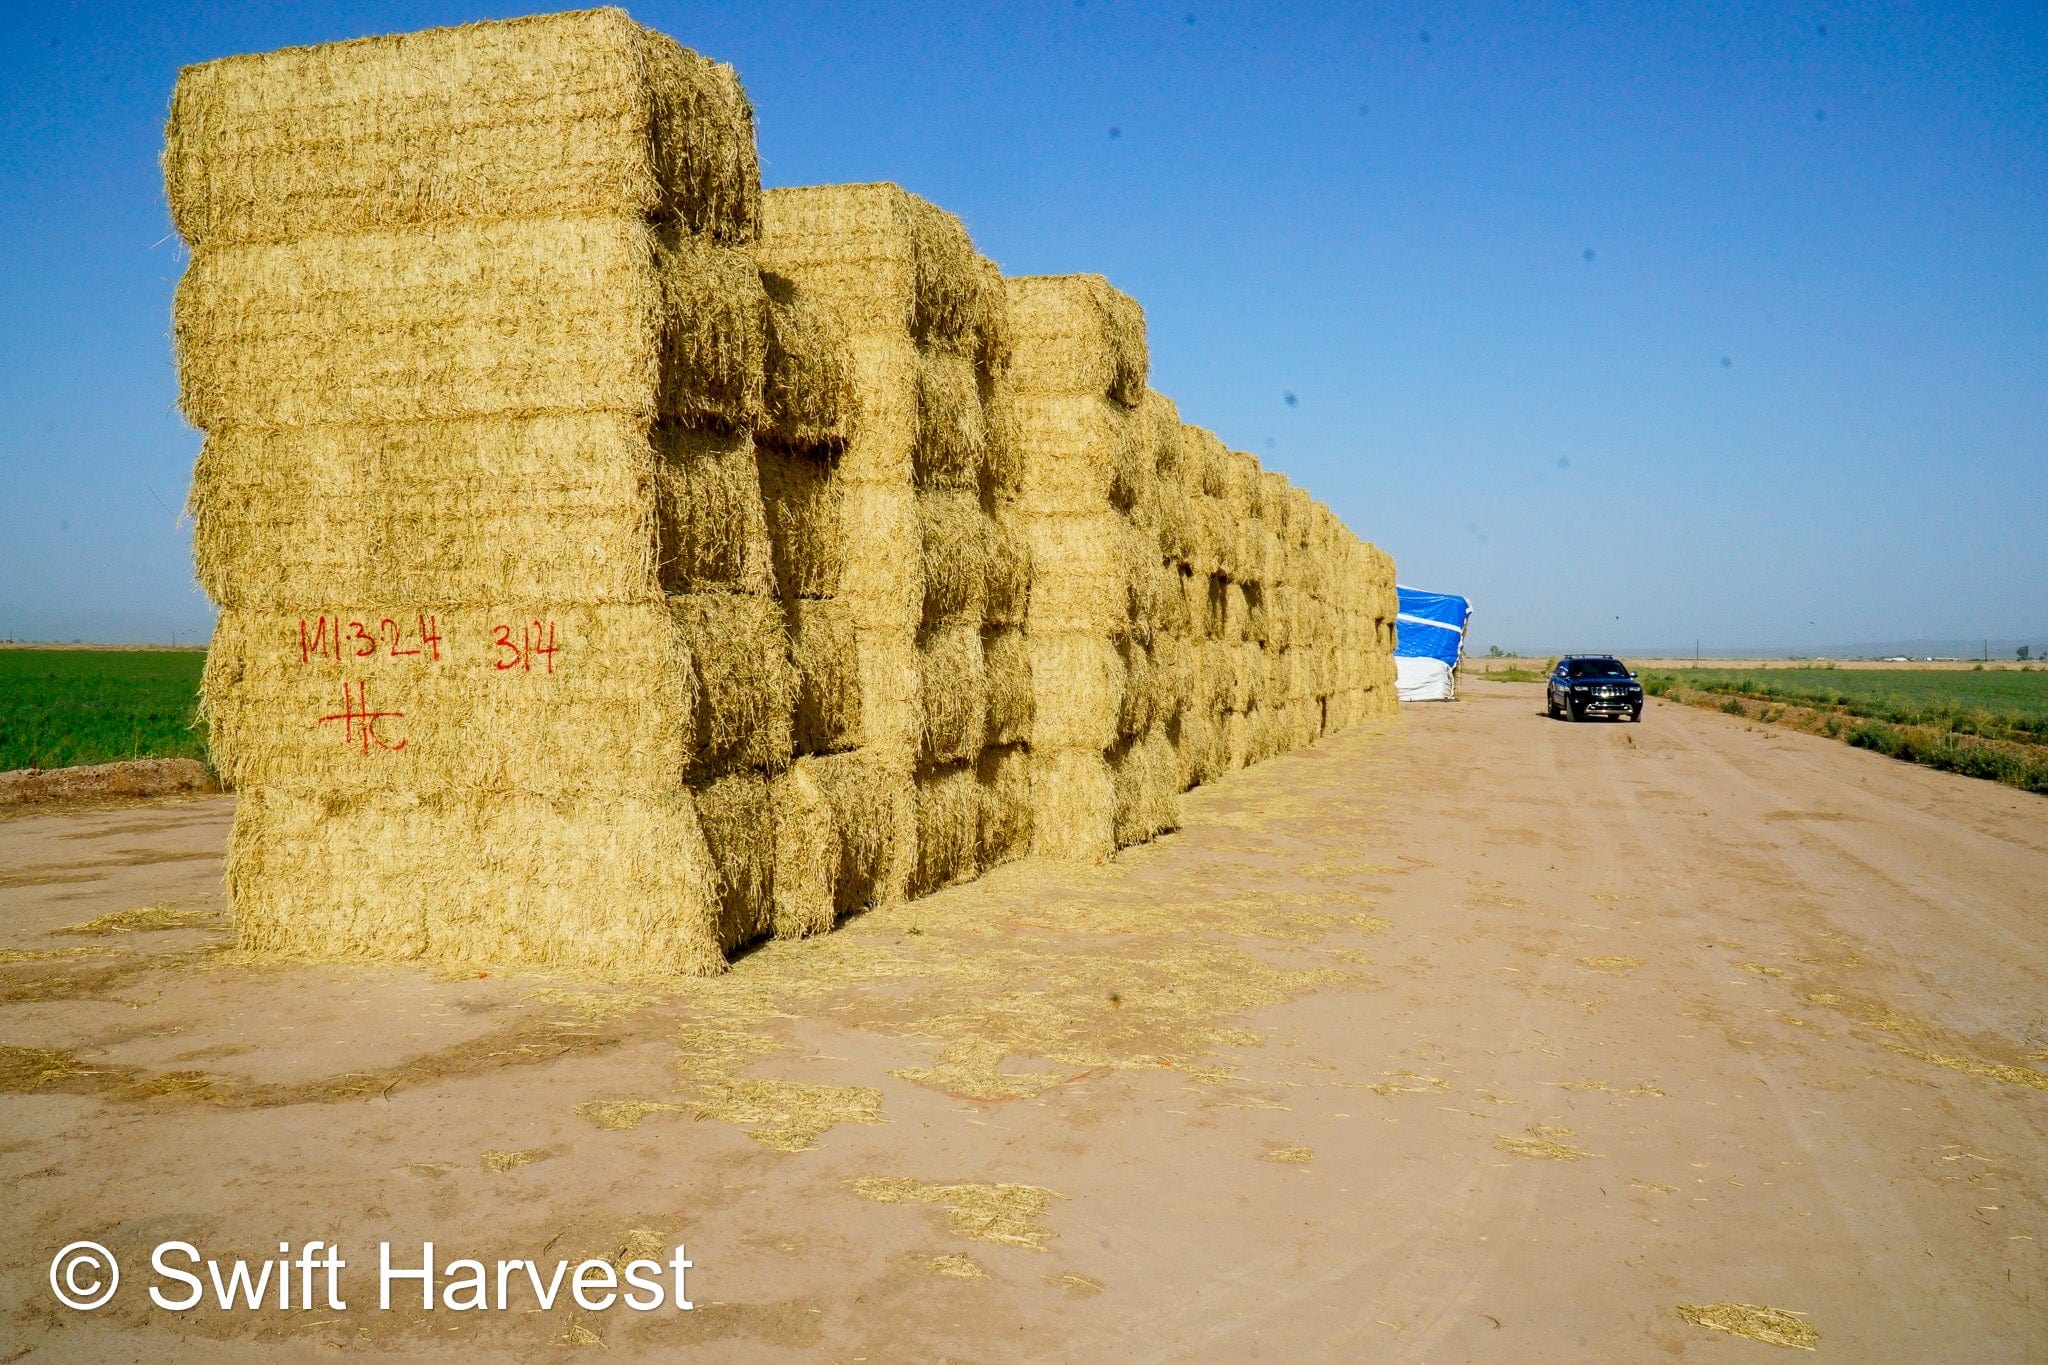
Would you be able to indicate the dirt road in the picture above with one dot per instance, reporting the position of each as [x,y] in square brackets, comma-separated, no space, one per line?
[1486,1038]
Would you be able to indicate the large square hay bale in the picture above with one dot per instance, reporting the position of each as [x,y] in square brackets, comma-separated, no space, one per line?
[1073,804]
[1076,334]
[739,830]
[948,826]
[559,115]
[604,884]
[550,699]
[824,652]
[1003,774]
[801,504]
[807,389]
[523,317]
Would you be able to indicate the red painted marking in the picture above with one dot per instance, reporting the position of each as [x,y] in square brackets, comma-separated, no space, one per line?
[369,642]
[359,722]
[430,634]
[390,627]
[317,645]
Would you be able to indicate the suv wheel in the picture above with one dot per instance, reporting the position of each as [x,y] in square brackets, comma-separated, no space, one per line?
[1550,702]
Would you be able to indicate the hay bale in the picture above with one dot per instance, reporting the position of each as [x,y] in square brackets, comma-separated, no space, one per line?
[1008,569]
[891,693]
[882,573]
[807,855]
[1088,575]
[954,688]
[746,688]
[600,884]
[1073,804]
[1145,777]
[559,115]
[800,502]
[952,428]
[1003,776]
[303,519]
[1079,454]
[1198,735]
[533,316]
[549,699]
[807,396]
[1076,334]
[825,656]
[948,827]
[1002,458]
[712,528]
[1006,663]
[889,263]
[1077,687]
[1141,701]
[862,794]
[954,535]
[739,831]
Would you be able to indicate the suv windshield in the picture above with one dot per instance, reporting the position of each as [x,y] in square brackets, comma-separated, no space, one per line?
[1596,668]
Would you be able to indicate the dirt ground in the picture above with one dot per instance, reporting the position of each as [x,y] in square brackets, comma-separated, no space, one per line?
[1484,1037]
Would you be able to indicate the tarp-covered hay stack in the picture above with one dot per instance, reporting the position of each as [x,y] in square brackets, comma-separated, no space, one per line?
[617,565]
[474,333]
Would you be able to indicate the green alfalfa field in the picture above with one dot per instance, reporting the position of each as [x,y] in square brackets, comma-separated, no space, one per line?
[1989,723]
[63,707]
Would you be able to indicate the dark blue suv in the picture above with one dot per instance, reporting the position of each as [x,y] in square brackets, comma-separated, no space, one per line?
[1584,685]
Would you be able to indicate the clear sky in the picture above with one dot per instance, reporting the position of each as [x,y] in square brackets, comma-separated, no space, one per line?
[1634,323]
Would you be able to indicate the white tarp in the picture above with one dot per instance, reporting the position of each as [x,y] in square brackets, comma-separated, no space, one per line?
[1423,679]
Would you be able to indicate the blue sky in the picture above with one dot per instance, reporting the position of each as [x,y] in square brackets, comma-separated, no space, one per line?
[1635,323]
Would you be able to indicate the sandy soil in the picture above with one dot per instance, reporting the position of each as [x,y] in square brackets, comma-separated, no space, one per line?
[1488,1038]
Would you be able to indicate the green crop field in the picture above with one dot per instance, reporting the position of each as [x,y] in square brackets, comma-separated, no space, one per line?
[60,707]
[1991,723]
[1998,703]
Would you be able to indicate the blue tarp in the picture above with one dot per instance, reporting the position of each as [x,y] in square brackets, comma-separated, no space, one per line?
[1431,626]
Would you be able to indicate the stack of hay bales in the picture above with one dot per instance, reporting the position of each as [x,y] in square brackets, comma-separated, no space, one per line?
[617,565]
[474,333]
[928,586]
[1104,772]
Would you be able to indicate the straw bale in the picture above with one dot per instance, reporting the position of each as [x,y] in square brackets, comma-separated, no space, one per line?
[948,827]
[954,533]
[746,688]
[800,503]
[1237,740]
[891,693]
[1002,458]
[1300,518]
[1073,804]
[825,656]
[807,390]
[1198,731]
[1090,574]
[558,115]
[711,524]
[887,262]
[1173,675]
[1257,624]
[1168,611]
[955,692]
[1140,701]
[1236,614]
[1077,686]
[1003,775]
[1079,453]
[1076,334]
[1006,661]
[302,519]
[1163,779]
[806,862]
[579,698]
[739,830]
[952,429]
[1146,780]
[883,567]
[602,884]
[530,316]
[862,794]
[1008,569]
